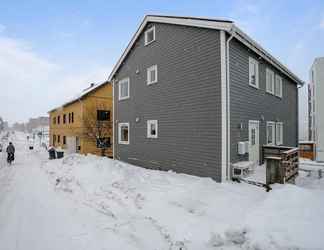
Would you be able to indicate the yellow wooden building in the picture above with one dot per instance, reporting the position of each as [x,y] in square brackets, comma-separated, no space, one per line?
[84,124]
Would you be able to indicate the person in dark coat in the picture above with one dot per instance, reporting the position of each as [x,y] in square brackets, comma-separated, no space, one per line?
[11,152]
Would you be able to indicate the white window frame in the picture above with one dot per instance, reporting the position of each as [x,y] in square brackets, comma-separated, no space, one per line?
[278,86]
[255,63]
[270,81]
[120,125]
[273,125]
[279,132]
[146,35]
[148,75]
[155,122]
[123,81]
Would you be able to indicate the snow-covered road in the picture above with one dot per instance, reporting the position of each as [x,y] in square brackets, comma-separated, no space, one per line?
[104,204]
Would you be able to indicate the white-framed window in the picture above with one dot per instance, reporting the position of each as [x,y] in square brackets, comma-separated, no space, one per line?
[270,81]
[152,75]
[123,89]
[253,72]
[152,129]
[150,35]
[123,133]
[278,86]
[279,133]
[271,133]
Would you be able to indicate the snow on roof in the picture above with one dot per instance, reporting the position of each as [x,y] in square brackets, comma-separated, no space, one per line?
[210,23]
[79,96]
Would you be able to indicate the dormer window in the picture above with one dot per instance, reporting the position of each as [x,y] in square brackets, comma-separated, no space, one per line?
[150,35]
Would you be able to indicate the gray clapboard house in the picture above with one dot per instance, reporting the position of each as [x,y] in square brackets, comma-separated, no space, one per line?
[195,95]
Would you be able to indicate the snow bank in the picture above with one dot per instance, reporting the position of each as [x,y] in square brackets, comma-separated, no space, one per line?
[166,210]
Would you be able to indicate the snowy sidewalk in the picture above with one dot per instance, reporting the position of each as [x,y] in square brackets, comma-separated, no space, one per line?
[94,203]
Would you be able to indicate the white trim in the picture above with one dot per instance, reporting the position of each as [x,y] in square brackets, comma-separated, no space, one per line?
[256,64]
[119,132]
[279,126]
[146,32]
[211,24]
[270,78]
[148,128]
[223,105]
[273,125]
[148,75]
[278,79]
[120,98]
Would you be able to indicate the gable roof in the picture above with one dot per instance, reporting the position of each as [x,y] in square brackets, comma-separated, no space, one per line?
[209,23]
[83,94]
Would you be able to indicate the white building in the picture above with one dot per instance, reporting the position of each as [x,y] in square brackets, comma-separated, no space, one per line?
[316,106]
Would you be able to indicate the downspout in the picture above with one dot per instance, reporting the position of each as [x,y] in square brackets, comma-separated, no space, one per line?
[113,119]
[228,139]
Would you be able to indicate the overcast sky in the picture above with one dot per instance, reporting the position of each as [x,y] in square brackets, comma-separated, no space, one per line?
[50,51]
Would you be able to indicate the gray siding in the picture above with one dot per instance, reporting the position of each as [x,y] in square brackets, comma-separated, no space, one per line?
[186,101]
[248,103]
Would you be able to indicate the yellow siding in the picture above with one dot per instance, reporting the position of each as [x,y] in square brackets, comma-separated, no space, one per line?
[100,98]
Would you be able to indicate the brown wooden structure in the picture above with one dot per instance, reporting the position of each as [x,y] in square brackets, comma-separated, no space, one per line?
[282,164]
[307,150]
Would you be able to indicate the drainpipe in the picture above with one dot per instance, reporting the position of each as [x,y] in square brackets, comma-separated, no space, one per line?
[113,119]
[228,142]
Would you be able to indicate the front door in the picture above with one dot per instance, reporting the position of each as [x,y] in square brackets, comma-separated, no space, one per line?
[254,145]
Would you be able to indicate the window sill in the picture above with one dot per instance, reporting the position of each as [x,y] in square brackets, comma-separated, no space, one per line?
[150,83]
[123,98]
[123,143]
[146,44]
[254,86]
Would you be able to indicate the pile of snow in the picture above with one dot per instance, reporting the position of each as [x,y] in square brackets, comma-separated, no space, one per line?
[151,209]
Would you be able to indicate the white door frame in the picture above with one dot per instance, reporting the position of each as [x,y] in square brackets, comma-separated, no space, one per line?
[255,122]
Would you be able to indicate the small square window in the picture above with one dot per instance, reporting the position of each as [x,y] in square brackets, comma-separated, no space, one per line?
[64,140]
[270,81]
[150,35]
[123,89]
[103,115]
[152,129]
[278,86]
[152,75]
[253,73]
[123,133]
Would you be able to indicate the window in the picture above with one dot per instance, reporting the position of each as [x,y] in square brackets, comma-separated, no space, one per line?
[279,133]
[69,117]
[103,142]
[54,140]
[253,72]
[103,115]
[270,81]
[271,133]
[58,139]
[123,133]
[58,120]
[54,120]
[152,129]
[72,117]
[64,140]
[152,75]
[278,87]
[124,89]
[64,118]
[150,35]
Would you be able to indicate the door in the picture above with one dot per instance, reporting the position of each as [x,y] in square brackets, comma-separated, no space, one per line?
[71,145]
[254,145]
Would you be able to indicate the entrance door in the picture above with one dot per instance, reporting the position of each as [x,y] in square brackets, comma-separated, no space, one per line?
[71,145]
[254,145]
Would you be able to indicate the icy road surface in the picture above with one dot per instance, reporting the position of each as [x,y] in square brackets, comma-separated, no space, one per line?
[93,203]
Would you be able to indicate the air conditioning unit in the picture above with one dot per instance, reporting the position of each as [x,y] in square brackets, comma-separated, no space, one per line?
[241,148]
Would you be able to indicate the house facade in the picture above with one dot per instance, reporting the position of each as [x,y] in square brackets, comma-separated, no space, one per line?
[316,104]
[84,124]
[197,95]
